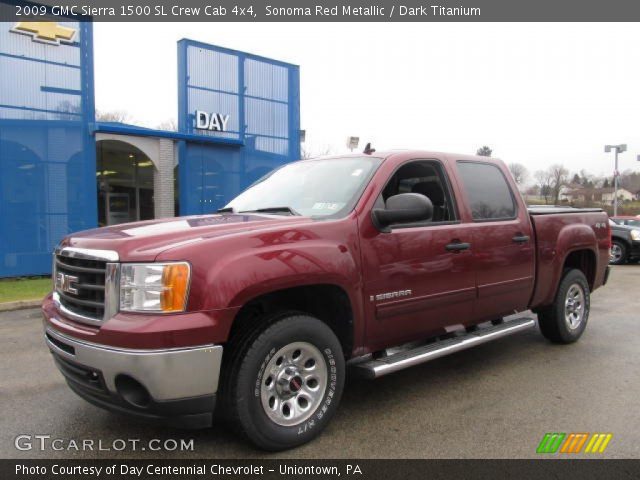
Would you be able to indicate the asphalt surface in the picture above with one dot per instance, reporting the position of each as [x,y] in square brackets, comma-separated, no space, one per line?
[494,401]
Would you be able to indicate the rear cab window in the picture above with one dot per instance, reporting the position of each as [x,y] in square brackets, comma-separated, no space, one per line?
[489,194]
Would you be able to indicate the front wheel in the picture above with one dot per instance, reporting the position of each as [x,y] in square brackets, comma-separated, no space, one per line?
[565,320]
[286,384]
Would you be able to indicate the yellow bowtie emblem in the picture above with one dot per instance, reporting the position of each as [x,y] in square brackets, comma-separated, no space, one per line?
[47,32]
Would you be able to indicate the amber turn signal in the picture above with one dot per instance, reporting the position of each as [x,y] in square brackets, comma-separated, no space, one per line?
[175,283]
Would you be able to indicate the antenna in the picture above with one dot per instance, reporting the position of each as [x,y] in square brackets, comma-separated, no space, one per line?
[368,150]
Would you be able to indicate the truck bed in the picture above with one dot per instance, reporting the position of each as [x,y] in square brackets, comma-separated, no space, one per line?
[554,209]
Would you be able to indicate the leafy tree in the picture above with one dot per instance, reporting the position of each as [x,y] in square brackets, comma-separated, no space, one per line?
[605,184]
[576,179]
[484,151]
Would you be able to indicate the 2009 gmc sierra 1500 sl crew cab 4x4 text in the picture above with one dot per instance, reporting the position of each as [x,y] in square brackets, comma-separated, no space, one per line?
[374,262]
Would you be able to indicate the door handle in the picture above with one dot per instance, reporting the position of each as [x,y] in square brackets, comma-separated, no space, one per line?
[521,238]
[458,246]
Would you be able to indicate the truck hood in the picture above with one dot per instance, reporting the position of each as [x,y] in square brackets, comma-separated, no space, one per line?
[144,241]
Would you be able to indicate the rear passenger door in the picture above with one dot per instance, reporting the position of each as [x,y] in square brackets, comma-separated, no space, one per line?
[502,240]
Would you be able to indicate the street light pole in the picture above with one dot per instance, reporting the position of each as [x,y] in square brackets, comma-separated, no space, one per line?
[618,149]
[615,187]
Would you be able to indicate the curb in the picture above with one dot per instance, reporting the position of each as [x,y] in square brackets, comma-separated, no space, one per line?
[20,305]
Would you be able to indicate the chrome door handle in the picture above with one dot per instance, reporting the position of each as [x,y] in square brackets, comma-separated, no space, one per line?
[521,238]
[458,246]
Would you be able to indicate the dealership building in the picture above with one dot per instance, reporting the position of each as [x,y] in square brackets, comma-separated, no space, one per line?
[62,171]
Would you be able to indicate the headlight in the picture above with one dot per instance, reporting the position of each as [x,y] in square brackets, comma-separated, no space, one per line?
[635,235]
[154,287]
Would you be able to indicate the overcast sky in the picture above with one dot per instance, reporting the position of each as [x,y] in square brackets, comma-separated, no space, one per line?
[536,93]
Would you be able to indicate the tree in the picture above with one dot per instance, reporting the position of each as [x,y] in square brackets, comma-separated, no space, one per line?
[543,180]
[170,125]
[484,151]
[630,180]
[605,184]
[585,178]
[118,116]
[306,153]
[559,176]
[576,179]
[533,190]
[519,172]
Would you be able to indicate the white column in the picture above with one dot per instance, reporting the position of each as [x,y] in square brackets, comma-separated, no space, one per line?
[163,180]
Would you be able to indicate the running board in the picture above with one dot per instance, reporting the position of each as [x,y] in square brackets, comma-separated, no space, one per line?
[382,366]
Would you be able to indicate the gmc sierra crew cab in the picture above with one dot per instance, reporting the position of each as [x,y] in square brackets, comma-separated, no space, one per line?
[369,262]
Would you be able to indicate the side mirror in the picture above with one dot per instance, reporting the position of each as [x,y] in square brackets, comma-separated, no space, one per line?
[403,208]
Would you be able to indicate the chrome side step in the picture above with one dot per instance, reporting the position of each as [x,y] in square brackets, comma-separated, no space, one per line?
[382,366]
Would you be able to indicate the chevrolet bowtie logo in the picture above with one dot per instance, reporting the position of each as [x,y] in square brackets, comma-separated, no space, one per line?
[46,32]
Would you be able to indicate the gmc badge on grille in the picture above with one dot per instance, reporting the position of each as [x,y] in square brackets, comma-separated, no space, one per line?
[65,283]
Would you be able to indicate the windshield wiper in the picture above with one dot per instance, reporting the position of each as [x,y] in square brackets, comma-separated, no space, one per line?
[225,210]
[288,210]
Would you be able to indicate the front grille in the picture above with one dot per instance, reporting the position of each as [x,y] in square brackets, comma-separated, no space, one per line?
[89,301]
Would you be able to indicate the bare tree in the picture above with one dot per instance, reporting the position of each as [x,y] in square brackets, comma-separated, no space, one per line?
[543,180]
[484,151]
[119,116]
[519,172]
[170,125]
[559,176]
[306,153]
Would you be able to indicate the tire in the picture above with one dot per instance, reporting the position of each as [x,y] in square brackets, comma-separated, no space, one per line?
[565,320]
[619,253]
[285,382]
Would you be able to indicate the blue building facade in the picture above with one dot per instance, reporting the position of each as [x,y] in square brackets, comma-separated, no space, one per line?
[47,153]
[260,97]
[239,117]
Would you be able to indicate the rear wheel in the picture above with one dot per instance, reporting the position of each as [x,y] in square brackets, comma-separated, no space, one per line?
[618,253]
[565,320]
[285,383]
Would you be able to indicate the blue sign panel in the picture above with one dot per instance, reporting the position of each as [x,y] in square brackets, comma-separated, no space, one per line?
[238,98]
[47,155]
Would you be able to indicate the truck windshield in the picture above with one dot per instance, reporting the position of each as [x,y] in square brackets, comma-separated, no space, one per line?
[323,188]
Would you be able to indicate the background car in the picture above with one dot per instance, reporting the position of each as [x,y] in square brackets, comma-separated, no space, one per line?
[627,220]
[625,243]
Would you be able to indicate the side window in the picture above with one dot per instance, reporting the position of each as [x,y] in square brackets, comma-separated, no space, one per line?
[488,191]
[427,178]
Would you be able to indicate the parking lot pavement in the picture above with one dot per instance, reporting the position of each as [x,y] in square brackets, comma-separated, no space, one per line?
[497,400]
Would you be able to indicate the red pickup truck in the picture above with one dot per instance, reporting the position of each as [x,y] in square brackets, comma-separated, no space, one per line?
[372,262]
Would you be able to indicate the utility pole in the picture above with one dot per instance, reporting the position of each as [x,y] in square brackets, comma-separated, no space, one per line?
[618,149]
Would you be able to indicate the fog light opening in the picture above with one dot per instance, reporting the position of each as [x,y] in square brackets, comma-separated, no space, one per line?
[132,391]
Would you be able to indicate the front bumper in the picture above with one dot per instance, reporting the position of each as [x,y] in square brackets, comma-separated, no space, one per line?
[177,385]
[634,252]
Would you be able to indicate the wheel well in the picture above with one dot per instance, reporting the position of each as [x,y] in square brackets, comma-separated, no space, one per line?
[328,303]
[585,261]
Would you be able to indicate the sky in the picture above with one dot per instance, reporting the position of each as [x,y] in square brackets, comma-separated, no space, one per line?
[536,93]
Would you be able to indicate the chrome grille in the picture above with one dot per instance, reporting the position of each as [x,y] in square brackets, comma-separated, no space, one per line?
[86,284]
[87,289]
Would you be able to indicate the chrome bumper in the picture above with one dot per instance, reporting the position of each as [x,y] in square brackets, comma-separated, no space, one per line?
[167,374]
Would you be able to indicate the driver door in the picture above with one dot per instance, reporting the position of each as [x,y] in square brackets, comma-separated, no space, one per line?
[416,284]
